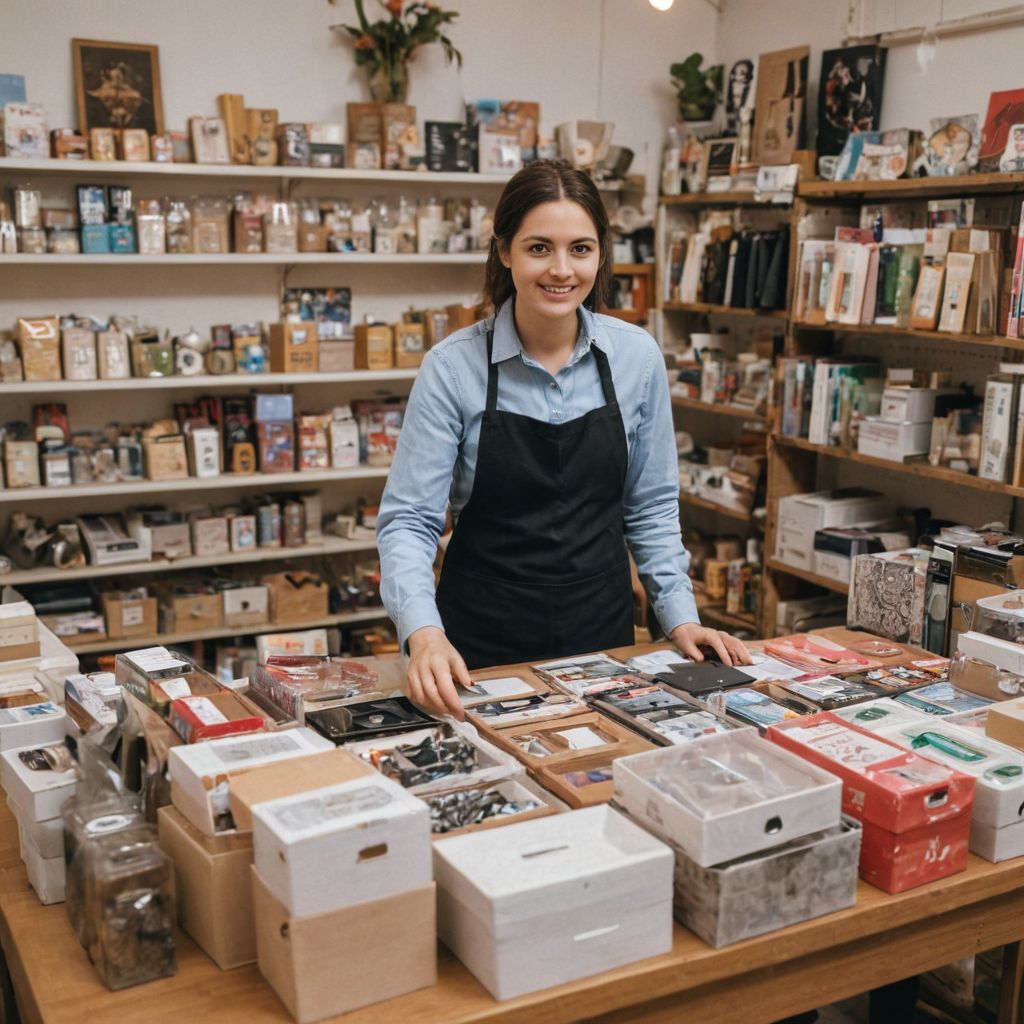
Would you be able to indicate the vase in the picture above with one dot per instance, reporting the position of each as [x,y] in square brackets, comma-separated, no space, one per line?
[390,84]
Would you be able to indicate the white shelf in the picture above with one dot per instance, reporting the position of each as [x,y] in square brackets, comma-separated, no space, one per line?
[134,642]
[86,168]
[366,541]
[220,382]
[242,259]
[20,495]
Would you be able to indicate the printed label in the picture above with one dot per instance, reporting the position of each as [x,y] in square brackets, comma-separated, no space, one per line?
[175,688]
[844,746]
[108,823]
[301,814]
[268,746]
[206,711]
[155,659]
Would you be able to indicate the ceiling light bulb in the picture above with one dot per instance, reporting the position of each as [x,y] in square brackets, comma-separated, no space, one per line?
[661,5]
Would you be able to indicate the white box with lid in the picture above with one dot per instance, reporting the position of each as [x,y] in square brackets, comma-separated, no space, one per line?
[549,900]
[727,796]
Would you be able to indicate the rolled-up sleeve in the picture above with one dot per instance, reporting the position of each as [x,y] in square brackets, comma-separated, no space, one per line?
[651,504]
[415,499]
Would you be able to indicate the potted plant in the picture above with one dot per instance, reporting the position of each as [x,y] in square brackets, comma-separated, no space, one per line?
[385,47]
[699,89]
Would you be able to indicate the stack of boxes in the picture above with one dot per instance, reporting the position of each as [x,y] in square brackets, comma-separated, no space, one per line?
[757,834]
[902,428]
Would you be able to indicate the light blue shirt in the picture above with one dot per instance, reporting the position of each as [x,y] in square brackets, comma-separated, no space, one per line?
[435,461]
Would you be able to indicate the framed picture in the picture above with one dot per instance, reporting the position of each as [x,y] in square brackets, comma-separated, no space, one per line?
[117,85]
[718,162]
[850,95]
[1005,109]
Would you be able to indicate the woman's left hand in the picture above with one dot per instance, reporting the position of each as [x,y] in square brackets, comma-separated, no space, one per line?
[691,635]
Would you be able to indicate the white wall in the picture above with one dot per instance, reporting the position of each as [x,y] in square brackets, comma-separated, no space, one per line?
[965,69]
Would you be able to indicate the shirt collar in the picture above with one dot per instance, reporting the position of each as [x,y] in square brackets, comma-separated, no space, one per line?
[506,337]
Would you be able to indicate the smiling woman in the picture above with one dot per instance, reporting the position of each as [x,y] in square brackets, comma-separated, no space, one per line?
[548,430]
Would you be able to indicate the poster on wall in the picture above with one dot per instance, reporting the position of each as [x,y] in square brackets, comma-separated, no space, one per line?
[1005,109]
[779,108]
[117,85]
[739,94]
[849,95]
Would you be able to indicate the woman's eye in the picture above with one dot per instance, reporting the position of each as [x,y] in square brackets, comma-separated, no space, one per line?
[582,249]
[538,248]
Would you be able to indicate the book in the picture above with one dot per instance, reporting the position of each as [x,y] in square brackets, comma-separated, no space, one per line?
[927,301]
[886,307]
[909,269]
[998,426]
[1017,475]
[1013,323]
[957,290]
[796,396]
[849,280]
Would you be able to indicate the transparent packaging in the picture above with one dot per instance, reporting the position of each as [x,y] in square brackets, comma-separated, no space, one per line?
[281,228]
[152,228]
[64,241]
[1002,616]
[293,683]
[129,906]
[178,225]
[210,225]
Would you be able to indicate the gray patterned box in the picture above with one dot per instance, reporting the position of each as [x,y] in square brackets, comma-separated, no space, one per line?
[752,895]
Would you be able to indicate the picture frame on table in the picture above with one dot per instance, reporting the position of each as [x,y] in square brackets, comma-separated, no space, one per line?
[117,85]
[718,163]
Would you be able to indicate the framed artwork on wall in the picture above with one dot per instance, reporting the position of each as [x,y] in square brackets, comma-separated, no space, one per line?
[849,95]
[117,85]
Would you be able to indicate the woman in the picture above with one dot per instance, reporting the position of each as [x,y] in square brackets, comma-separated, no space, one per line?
[549,430]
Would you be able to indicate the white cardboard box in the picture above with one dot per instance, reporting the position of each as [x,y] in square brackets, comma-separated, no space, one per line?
[200,772]
[1004,654]
[37,795]
[733,795]
[903,405]
[893,441]
[330,848]
[32,725]
[997,769]
[47,836]
[996,844]
[46,875]
[550,900]
[805,513]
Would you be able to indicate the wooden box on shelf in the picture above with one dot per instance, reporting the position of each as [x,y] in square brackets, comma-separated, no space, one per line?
[294,347]
[410,346]
[296,597]
[198,610]
[39,343]
[337,356]
[246,605]
[166,457]
[129,616]
[374,347]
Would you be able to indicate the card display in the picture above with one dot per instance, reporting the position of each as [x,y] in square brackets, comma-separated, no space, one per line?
[941,699]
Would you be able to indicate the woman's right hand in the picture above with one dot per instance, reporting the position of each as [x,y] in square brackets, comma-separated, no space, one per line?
[434,668]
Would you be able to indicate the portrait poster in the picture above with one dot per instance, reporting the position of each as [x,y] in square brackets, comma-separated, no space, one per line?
[849,95]
[739,94]
[1005,109]
[779,107]
[117,85]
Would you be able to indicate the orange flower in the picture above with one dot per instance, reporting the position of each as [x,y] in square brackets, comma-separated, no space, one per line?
[395,7]
[364,42]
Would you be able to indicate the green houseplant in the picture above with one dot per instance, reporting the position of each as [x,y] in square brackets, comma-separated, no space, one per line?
[386,46]
[699,90]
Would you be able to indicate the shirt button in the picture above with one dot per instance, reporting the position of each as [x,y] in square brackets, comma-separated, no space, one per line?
[554,386]
[556,415]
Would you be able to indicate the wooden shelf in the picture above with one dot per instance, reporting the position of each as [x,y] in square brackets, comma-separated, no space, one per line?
[133,642]
[366,541]
[912,188]
[633,268]
[710,506]
[709,307]
[717,613]
[736,197]
[156,488]
[724,409]
[630,316]
[919,469]
[220,382]
[103,168]
[241,259]
[811,577]
[996,341]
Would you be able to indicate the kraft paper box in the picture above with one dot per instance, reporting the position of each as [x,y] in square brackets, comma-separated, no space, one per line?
[213,888]
[771,800]
[129,616]
[19,631]
[1005,723]
[337,356]
[583,783]
[373,347]
[246,606]
[201,773]
[296,597]
[21,463]
[802,879]
[331,848]
[181,612]
[79,345]
[294,347]
[112,354]
[550,900]
[210,536]
[365,136]
[409,345]
[39,343]
[166,457]
[331,963]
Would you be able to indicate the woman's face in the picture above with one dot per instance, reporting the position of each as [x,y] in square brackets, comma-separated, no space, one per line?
[554,258]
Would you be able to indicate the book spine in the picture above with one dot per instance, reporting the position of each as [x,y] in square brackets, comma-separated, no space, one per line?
[1013,325]
[995,429]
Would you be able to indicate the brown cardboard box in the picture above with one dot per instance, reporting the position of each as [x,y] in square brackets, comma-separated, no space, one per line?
[409,345]
[365,134]
[293,347]
[19,633]
[316,771]
[313,237]
[246,606]
[179,612]
[79,344]
[398,122]
[21,463]
[129,616]
[460,316]
[213,888]
[337,356]
[166,457]
[39,343]
[374,347]
[330,963]
[296,597]
[210,536]
[966,593]
[1005,723]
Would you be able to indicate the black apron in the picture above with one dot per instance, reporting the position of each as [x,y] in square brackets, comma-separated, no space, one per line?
[537,565]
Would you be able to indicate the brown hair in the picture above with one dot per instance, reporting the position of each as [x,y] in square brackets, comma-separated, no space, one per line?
[545,181]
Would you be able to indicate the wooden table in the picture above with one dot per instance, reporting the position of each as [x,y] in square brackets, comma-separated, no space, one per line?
[881,939]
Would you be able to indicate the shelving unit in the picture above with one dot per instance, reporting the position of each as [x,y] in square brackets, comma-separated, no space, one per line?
[249,281]
[737,411]
[693,501]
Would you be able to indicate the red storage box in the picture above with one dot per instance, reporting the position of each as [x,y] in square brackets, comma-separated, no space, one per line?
[916,813]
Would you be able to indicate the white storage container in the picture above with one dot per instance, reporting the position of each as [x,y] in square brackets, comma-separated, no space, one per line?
[47,836]
[330,848]
[36,795]
[32,725]
[727,796]
[893,441]
[908,405]
[554,899]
